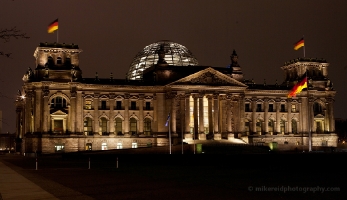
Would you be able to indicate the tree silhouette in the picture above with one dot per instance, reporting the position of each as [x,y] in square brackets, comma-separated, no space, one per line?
[12,33]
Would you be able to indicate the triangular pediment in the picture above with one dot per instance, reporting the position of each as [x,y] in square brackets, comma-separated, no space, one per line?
[59,112]
[208,77]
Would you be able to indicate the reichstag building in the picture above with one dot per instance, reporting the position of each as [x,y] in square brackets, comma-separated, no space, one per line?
[58,110]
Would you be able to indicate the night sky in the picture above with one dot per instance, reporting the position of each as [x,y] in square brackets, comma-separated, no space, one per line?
[111,33]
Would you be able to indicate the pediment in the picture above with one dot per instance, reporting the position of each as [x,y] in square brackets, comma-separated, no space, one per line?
[208,77]
[59,112]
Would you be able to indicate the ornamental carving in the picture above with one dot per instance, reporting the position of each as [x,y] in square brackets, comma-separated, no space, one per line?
[209,78]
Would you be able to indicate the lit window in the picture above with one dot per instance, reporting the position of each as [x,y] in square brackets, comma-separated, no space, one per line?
[104,146]
[134,145]
[119,145]
[59,147]
[88,105]
[293,108]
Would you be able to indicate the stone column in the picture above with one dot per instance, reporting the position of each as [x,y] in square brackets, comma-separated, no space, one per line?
[155,115]
[228,107]
[112,105]
[289,115]
[182,114]
[79,113]
[278,116]
[187,117]
[331,119]
[126,113]
[215,113]
[45,111]
[201,113]
[28,112]
[195,115]
[242,113]
[254,119]
[96,113]
[311,115]
[266,117]
[173,114]
[73,109]
[210,115]
[37,112]
[141,118]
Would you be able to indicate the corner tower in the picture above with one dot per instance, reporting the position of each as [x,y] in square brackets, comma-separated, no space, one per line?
[55,62]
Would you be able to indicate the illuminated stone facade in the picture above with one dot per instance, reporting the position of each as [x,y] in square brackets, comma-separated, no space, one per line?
[59,110]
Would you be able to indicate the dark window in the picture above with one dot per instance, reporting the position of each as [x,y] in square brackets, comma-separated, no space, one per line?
[133,126]
[283,108]
[133,105]
[294,126]
[103,126]
[147,128]
[271,107]
[148,105]
[59,61]
[118,126]
[103,105]
[50,61]
[258,107]
[118,105]
[247,107]
[317,109]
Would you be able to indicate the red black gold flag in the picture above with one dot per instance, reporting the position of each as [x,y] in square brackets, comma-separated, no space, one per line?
[298,87]
[53,26]
[299,44]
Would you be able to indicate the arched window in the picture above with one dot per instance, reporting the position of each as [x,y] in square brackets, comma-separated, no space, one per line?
[58,102]
[50,61]
[294,126]
[282,126]
[103,126]
[147,127]
[118,126]
[88,126]
[259,127]
[317,109]
[271,126]
[133,126]
[59,61]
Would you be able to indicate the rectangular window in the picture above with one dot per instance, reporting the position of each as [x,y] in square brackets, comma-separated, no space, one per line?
[88,105]
[104,146]
[103,105]
[119,145]
[247,107]
[59,147]
[283,108]
[148,105]
[258,107]
[133,105]
[271,107]
[118,105]
[134,145]
[293,108]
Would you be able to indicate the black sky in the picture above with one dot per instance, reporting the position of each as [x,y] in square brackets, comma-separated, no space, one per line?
[111,33]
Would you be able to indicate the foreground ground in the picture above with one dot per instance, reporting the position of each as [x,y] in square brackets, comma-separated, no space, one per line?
[189,176]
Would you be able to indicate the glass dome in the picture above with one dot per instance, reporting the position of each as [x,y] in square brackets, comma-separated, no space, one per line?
[175,54]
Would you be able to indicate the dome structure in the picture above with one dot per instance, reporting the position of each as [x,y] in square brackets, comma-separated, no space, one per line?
[175,54]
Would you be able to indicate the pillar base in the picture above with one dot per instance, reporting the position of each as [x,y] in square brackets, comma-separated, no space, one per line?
[188,136]
[231,136]
[202,136]
[217,136]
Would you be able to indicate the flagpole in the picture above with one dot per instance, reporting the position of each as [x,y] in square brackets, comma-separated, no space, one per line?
[304,47]
[168,123]
[57,36]
[309,118]
[170,134]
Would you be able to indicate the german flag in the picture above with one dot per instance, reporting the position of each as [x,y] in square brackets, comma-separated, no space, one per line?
[299,44]
[53,26]
[298,87]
